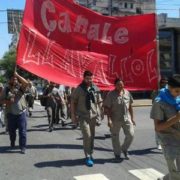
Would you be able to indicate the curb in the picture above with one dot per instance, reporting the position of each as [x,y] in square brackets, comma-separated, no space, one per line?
[141,105]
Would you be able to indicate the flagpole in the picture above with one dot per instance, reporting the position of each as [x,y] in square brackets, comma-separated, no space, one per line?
[158,49]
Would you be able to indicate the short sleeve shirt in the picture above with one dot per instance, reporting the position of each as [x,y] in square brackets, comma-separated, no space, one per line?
[119,105]
[19,105]
[79,98]
[162,111]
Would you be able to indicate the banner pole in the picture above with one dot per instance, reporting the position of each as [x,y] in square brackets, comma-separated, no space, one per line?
[158,49]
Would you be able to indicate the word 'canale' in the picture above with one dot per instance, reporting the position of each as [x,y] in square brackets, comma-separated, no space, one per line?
[82,26]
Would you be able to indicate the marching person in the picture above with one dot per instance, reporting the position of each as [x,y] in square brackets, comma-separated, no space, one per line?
[52,97]
[166,115]
[31,95]
[68,100]
[62,105]
[85,100]
[118,107]
[14,99]
[162,84]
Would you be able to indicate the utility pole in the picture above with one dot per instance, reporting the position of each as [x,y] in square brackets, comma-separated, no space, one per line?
[110,7]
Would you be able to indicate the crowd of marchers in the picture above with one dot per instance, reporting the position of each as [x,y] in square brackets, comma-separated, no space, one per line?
[86,106]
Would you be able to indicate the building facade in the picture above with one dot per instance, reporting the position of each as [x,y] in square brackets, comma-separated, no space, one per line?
[120,7]
[169,45]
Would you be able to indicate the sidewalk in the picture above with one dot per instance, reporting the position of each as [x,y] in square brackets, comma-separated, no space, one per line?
[142,102]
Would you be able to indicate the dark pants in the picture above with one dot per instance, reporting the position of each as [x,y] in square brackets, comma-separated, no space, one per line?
[53,115]
[30,101]
[17,122]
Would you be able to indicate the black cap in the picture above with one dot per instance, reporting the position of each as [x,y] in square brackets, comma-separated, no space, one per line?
[174,81]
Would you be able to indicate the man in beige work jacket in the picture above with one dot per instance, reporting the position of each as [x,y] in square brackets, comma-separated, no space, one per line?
[85,101]
[118,106]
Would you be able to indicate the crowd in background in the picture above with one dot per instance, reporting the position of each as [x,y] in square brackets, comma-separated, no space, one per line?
[86,108]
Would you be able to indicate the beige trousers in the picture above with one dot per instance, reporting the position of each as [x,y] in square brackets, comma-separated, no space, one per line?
[128,129]
[88,132]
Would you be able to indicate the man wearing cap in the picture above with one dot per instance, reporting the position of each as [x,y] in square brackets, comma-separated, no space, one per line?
[118,107]
[166,115]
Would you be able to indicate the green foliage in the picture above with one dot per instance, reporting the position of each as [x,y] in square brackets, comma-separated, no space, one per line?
[2,79]
[8,63]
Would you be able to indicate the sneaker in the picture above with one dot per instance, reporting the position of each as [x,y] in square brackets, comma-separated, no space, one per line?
[89,162]
[118,158]
[159,147]
[92,158]
[98,123]
[50,129]
[75,126]
[62,123]
[6,132]
[23,151]
[126,155]
[12,144]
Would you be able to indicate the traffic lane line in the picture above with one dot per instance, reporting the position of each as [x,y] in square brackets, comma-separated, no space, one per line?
[91,177]
[146,174]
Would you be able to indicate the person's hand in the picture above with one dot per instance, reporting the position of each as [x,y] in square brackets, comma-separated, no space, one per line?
[12,99]
[134,123]
[49,95]
[110,124]
[15,74]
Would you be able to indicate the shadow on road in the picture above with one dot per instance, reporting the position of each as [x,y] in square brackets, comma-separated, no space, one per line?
[39,126]
[33,130]
[9,150]
[56,128]
[96,137]
[5,149]
[69,163]
[145,151]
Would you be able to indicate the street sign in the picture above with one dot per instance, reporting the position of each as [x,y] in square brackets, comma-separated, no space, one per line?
[14,18]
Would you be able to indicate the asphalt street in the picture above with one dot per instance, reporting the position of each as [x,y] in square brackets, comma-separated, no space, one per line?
[58,155]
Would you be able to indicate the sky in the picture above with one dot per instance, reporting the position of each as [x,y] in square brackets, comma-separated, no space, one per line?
[163,6]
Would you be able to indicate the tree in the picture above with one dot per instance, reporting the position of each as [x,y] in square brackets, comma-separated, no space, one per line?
[8,63]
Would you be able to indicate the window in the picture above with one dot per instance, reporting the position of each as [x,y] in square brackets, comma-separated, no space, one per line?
[138,11]
[165,48]
[132,5]
[125,5]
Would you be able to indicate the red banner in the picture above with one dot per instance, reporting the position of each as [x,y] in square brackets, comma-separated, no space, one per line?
[59,40]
